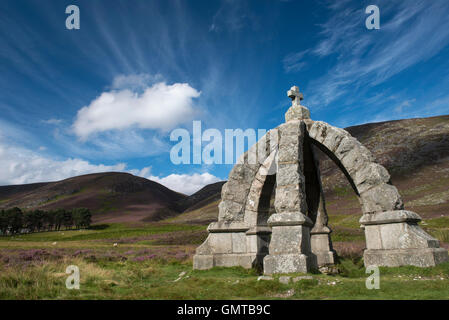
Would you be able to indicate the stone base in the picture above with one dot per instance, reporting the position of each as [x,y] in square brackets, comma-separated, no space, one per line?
[289,263]
[325,258]
[426,257]
[245,260]
[322,248]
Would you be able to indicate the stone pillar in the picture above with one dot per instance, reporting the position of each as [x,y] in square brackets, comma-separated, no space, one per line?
[257,241]
[289,249]
[320,238]
[393,238]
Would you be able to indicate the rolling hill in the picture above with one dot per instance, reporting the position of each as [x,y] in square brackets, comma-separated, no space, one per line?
[415,151]
[112,197]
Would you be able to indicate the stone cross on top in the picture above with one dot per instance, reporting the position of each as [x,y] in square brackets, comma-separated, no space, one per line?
[295,95]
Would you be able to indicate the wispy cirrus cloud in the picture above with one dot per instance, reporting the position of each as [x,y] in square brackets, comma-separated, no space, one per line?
[366,58]
[404,104]
[294,62]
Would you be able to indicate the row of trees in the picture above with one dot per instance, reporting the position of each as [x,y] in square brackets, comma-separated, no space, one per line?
[13,221]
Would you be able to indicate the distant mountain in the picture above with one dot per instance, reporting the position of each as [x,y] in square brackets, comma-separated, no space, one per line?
[415,151]
[112,197]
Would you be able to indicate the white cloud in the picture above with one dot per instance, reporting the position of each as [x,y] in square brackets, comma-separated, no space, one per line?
[21,166]
[185,183]
[159,107]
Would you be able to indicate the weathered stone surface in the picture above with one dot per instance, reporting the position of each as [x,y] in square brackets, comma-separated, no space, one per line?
[289,219]
[258,243]
[393,238]
[390,217]
[297,113]
[400,235]
[269,167]
[235,191]
[238,242]
[370,176]
[288,263]
[255,192]
[384,197]
[290,199]
[405,257]
[289,174]
[205,248]
[258,153]
[290,239]
[346,145]
[264,278]
[244,172]
[319,131]
[230,211]
[334,137]
[356,159]
[203,262]
[251,217]
[291,141]
[321,247]
[221,242]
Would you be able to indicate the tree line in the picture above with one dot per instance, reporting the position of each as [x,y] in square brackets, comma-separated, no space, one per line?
[14,220]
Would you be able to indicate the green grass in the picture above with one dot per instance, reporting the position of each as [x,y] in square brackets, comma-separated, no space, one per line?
[442,222]
[156,280]
[106,275]
[111,231]
[343,191]
[441,235]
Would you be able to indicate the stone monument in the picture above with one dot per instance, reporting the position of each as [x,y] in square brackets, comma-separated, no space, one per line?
[296,238]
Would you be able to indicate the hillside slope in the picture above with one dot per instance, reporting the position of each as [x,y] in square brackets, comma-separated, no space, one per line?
[415,152]
[112,197]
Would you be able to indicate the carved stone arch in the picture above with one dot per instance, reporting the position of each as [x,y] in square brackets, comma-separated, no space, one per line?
[298,243]
[370,180]
[235,191]
[258,200]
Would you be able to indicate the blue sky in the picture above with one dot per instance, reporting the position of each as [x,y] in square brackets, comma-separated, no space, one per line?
[107,96]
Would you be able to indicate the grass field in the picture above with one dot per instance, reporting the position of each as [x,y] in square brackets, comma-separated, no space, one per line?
[154,261]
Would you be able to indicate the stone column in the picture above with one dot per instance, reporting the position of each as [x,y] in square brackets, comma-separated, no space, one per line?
[289,249]
[321,243]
